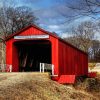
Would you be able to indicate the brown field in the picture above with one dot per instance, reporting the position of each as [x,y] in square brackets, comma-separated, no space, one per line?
[37,86]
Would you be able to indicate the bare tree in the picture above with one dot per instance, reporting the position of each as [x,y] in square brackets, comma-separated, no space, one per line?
[95,51]
[83,35]
[84,7]
[14,19]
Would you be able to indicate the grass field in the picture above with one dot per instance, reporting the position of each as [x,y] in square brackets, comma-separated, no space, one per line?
[37,86]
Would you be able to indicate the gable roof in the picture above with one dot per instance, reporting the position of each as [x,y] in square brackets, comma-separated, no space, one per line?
[16,33]
[50,33]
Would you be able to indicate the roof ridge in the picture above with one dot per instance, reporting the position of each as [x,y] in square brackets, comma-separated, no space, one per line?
[31,25]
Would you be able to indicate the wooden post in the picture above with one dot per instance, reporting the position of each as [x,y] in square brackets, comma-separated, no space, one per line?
[10,68]
[43,67]
[52,69]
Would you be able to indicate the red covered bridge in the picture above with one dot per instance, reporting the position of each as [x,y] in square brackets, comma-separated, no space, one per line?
[33,45]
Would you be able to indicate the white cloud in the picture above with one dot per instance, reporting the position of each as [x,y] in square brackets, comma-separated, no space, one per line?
[53,27]
[66,34]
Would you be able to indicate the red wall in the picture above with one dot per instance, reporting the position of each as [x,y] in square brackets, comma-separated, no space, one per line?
[31,31]
[54,46]
[9,51]
[71,60]
[12,53]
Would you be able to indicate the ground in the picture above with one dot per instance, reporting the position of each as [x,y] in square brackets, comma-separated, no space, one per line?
[38,86]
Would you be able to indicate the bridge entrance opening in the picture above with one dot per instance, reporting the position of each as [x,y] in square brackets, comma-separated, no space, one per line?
[33,52]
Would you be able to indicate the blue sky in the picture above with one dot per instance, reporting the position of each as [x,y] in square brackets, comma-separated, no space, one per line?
[50,14]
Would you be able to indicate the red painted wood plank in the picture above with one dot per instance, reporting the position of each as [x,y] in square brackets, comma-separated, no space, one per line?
[67,79]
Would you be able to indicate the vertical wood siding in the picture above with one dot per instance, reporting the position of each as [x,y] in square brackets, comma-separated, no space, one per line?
[72,61]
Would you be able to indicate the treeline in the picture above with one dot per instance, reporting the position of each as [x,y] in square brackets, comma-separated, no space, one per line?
[84,37]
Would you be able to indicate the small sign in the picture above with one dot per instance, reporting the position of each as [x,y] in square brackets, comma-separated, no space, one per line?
[32,37]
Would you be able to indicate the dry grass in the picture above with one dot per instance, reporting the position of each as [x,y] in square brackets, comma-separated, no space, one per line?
[91,65]
[36,86]
[90,85]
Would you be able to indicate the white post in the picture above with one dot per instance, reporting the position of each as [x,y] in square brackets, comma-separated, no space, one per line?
[10,68]
[40,67]
[52,69]
[43,67]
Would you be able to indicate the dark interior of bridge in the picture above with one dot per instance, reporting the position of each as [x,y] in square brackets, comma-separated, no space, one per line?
[32,53]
